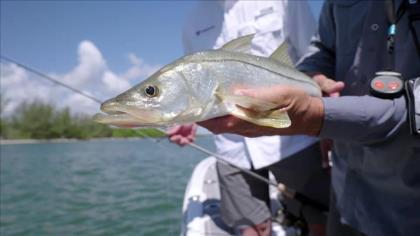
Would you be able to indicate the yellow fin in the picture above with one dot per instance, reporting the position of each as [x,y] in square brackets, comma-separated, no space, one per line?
[241,44]
[273,118]
[247,102]
[281,54]
[256,111]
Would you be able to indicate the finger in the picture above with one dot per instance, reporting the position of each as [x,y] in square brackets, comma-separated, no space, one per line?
[175,139]
[246,92]
[329,86]
[191,140]
[191,136]
[334,88]
[173,130]
[191,130]
[337,94]
[194,131]
[278,96]
[184,142]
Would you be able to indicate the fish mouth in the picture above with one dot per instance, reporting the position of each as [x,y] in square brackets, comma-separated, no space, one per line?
[127,116]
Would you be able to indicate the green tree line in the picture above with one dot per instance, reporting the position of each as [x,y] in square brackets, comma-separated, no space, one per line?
[40,120]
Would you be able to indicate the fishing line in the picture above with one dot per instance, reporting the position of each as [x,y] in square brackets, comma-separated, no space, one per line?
[290,193]
[282,188]
[55,81]
[193,145]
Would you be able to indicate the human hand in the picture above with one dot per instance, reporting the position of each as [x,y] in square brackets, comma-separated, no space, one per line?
[329,87]
[305,112]
[182,134]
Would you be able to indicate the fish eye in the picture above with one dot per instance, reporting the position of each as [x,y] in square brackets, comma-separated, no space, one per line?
[151,91]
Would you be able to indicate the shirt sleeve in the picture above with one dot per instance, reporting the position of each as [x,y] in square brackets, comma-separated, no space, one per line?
[363,119]
[320,56]
[299,26]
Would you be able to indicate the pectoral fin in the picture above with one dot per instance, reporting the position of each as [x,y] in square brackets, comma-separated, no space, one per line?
[274,118]
[257,111]
[247,102]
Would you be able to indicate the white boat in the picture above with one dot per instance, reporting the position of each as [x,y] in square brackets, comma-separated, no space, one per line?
[201,205]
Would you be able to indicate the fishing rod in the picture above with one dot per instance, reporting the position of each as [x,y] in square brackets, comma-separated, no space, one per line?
[286,191]
[193,145]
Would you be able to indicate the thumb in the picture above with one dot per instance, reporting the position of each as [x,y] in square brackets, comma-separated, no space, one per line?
[245,92]
[273,94]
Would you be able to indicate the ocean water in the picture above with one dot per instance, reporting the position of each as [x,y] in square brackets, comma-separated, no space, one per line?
[106,187]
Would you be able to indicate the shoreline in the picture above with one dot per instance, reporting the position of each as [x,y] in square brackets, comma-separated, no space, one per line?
[59,140]
[69,140]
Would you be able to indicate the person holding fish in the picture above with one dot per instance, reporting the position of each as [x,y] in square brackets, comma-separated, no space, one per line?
[295,161]
[376,161]
[205,85]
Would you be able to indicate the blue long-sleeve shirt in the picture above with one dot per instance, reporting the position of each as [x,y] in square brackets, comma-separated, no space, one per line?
[376,162]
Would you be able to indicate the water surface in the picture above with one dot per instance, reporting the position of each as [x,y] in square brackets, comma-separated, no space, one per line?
[107,187]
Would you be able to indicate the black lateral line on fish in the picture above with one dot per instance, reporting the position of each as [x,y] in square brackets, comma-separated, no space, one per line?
[258,66]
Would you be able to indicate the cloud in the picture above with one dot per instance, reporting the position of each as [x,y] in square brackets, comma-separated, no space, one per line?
[14,74]
[84,105]
[91,65]
[17,86]
[134,59]
[91,75]
[139,69]
[113,83]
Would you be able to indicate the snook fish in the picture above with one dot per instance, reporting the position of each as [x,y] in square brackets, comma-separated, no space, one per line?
[201,86]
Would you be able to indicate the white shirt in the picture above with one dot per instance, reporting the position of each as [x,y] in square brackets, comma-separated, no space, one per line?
[213,23]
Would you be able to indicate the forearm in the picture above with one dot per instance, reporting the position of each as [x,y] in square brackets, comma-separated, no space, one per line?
[362,119]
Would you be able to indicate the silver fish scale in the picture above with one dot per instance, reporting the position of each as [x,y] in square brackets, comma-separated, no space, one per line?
[254,64]
[204,77]
[214,68]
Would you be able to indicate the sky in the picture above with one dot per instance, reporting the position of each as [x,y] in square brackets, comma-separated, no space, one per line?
[99,47]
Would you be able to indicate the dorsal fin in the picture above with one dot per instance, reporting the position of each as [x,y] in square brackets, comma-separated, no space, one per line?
[281,54]
[241,44]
